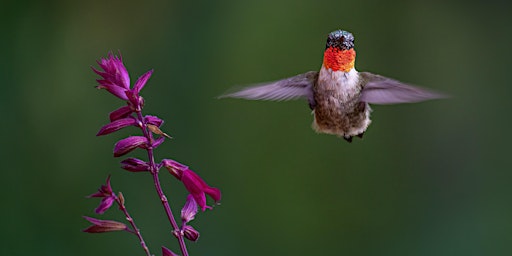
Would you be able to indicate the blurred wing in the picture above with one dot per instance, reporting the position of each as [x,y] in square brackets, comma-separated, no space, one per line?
[300,86]
[383,90]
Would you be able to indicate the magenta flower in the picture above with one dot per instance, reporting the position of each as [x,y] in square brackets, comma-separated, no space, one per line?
[109,197]
[196,186]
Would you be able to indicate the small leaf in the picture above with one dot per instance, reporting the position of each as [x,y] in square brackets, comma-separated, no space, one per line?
[121,198]
[154,129]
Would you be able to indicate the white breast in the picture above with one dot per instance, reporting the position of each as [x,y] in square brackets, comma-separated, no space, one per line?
[343,85]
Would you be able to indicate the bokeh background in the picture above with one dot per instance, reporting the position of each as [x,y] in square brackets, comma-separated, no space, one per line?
[428,179]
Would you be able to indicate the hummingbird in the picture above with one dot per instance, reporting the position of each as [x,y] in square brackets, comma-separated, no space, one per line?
[338,95]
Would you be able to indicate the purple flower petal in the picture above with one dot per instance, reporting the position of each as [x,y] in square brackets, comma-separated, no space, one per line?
[114,89]
[154,120]
[105,204]
[167,252]
[102,226]
[134,165]
[214,193]
[124,146]
[141,82]
[122,74]
[117,125]
[119,113]
[104,75]
[189,210]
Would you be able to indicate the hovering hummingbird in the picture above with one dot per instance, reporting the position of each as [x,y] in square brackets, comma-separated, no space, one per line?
[339,95]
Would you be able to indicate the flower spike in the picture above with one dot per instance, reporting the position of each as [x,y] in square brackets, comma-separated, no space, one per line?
[115,79]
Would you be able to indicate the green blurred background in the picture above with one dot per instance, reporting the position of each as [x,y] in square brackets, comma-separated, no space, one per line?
[428,179]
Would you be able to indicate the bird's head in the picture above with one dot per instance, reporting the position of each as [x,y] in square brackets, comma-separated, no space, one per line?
[339,54]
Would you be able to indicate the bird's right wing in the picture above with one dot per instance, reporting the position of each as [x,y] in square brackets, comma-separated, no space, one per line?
[299,86]
[383,90]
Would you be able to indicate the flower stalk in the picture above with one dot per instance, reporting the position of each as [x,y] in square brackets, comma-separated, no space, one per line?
[135,230]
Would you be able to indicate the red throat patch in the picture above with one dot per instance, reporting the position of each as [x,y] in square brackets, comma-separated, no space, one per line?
[339,60]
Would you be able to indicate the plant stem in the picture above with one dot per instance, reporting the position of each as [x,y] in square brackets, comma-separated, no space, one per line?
[132,222]
[154,172]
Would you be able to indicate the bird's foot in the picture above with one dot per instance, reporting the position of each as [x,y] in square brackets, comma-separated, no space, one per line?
[349,138]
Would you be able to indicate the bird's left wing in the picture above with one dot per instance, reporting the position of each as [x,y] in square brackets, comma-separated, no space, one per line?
[383,90]
[299,86]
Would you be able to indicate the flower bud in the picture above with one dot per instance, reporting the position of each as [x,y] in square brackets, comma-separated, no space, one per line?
[134,165]
[116,126]
[190,233]
[126,145]
[102,226]
[154,120]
